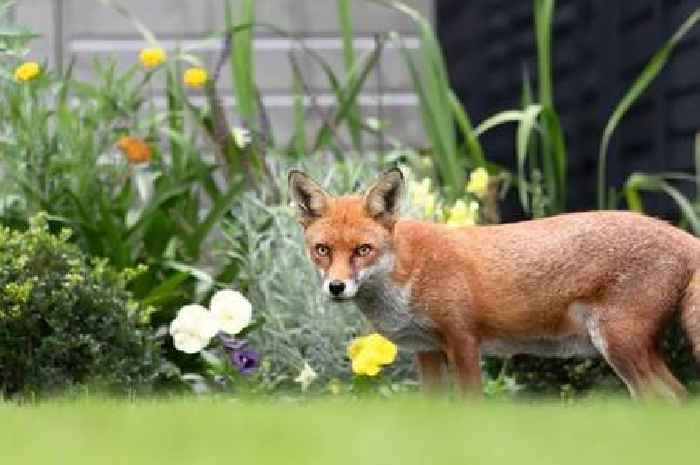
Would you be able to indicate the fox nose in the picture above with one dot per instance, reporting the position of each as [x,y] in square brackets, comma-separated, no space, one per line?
[336,287]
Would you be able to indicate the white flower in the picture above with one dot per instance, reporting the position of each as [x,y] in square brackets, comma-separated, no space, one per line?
[241,136]
[306,376]
[192,329]
[231,310]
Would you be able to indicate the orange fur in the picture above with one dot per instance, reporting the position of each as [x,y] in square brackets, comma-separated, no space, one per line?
[605,281]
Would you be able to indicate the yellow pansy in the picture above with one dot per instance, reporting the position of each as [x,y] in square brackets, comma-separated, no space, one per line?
[365,365]
[478,182]
[27,71]
[370,353]
[152,57]
[195,77]
[462,214]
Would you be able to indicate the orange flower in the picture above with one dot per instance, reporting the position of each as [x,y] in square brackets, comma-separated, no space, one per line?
[135,149]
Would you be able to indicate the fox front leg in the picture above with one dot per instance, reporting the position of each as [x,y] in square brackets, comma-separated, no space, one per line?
[432,369]
[464,355]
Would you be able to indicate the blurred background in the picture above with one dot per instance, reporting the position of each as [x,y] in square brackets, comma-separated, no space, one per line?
[600,46]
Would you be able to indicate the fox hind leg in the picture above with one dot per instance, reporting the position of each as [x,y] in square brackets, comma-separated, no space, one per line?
[632,352]
[690,314]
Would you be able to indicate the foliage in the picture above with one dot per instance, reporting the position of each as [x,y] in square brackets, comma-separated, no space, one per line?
[301,325]
[139,184]
[67,321]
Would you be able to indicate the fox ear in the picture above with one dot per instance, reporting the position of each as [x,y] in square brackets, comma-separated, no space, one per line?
[308,197]
[383,199]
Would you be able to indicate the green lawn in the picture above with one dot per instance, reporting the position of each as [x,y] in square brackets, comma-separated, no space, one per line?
[405,431]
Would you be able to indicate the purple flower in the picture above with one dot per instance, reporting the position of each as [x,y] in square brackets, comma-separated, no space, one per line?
[246,360]
[240,355]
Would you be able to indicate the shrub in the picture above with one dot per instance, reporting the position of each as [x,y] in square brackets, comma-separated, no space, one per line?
[67,321]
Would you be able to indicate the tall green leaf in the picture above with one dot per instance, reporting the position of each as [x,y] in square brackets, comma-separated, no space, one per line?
[645,78]
[553,148]
[657,183]
[242,62]
[354,116]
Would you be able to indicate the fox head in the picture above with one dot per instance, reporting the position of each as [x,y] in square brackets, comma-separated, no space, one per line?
[349,237]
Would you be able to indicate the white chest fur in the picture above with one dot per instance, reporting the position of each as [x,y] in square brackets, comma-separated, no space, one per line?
[389,309]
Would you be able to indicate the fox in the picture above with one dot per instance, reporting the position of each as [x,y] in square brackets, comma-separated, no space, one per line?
[586,284]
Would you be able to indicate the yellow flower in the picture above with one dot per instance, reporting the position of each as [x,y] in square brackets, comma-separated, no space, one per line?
[370,353]
[135,149]
[478,182]
[422,198]
[462,214]
[195,77]
[27,71]
[152,57]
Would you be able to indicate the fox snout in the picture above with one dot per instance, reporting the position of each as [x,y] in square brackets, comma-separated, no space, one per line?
[340,289]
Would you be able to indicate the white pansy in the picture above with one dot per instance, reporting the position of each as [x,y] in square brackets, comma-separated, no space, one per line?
[306,376]
[193,328]
[231,310]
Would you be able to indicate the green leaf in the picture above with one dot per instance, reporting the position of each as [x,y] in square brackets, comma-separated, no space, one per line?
[645,78]
[166,290]
[242,62]
[354,116]
[507,116]
[221,206]
[643,182]
[354,82]
[525,129]
[471,139]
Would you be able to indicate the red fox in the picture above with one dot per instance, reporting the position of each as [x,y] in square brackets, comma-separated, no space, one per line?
[578,284]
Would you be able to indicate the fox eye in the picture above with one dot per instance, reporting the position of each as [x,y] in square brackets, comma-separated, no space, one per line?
[322,250]
[364,250]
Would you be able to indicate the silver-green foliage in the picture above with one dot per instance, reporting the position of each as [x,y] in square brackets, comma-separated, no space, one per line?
[300,323]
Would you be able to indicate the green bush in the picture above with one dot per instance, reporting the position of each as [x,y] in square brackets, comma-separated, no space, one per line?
[67,321]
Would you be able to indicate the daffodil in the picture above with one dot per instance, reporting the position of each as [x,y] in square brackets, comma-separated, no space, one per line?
[195,77]
[231,311]
[307,375]
[27,71]
[369,353]
[462,214]
[478,182]
[192,329]
[152,57]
